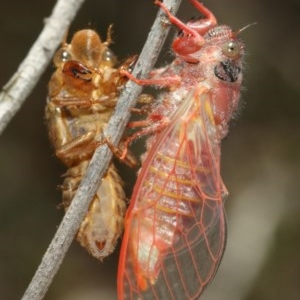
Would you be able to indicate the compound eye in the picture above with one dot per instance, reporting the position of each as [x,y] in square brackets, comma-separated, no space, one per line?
[231,49]
[109,57]
[61,56]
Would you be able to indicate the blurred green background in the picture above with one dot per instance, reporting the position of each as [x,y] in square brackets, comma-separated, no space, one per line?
[260,157]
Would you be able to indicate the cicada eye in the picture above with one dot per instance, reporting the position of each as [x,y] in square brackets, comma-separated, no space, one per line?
[231,49]
[61,56]
[108,56]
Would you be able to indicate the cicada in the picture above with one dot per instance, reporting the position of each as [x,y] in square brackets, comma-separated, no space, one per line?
[175,227]
[82,95]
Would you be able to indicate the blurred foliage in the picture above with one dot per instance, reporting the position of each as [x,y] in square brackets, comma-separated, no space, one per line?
[279,277]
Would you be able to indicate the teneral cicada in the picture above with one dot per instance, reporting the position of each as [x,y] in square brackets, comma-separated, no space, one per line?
[175,227]
[82,94]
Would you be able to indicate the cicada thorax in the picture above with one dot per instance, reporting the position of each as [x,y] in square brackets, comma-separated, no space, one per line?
[82,95]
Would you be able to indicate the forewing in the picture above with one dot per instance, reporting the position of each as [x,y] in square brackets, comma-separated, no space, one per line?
[175,227]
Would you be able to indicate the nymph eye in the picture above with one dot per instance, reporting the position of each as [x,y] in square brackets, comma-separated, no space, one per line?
[61,56]
[108,56]
[231,49]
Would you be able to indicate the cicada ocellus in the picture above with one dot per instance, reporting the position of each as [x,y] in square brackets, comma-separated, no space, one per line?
[82,95]
[175,227]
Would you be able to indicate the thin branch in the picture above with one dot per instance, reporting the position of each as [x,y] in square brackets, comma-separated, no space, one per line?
[99,163]
[15,92]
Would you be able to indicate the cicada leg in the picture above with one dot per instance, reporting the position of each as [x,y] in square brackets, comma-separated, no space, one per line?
[122,151]
[72,102]
[149,126]
[108,101]
[146,108]
[192,38]
[79,148]
[167,81]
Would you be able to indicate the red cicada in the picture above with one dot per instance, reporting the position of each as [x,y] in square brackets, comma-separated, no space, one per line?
[82,95]
[175,227]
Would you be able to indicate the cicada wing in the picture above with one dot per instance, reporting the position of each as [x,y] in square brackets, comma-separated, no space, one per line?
[175,228]
[192,261]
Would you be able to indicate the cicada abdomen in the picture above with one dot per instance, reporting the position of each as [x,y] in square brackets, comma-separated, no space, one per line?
[82,95]
[103,223]
[175,227]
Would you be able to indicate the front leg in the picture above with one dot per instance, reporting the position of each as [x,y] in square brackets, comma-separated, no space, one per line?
[191,40]
[167,81]
[79,148]
[72,102]
[108,101]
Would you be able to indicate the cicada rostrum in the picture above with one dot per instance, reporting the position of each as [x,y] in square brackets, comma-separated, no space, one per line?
[82,95]
[175,227]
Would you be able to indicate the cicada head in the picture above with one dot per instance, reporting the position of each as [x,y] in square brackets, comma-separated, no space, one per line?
[88,48]
[221,63]
[82,63]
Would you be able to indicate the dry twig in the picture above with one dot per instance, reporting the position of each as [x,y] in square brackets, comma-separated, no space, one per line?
[99,163]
